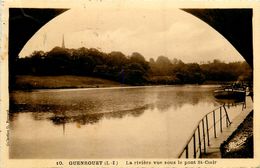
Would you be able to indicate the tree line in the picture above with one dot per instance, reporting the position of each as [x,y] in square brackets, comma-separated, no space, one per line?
[132,69]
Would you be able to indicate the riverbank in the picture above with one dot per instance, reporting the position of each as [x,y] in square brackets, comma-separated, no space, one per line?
[240,143]
[28,82]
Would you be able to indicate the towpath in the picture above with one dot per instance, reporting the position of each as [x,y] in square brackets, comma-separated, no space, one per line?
[213,151]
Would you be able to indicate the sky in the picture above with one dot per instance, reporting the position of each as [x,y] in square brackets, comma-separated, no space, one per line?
[150,30]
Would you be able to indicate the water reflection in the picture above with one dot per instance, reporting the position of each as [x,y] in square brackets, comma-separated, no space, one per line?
[111,123]
[88,107]
[95,117]
[167,99]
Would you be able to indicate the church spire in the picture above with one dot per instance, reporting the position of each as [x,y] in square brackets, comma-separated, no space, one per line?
[63,42]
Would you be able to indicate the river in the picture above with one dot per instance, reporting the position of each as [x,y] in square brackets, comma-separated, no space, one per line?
[127,122]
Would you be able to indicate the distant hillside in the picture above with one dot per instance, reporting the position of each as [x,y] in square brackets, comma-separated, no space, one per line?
[131,69]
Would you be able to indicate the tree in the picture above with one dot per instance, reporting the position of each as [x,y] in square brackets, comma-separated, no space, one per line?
[164,65]
[116,59]
[133,70]
[138,58]
[133,74]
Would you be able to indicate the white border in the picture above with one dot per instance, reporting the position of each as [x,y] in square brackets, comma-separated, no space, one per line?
[5,162]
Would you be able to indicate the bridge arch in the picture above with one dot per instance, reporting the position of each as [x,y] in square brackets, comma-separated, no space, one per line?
[234,24]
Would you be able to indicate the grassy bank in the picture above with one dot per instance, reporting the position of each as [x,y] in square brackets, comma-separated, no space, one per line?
[28,82]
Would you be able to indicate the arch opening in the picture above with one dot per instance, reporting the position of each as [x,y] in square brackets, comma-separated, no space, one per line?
[216,18]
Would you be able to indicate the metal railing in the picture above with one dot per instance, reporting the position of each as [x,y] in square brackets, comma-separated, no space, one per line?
[200,139]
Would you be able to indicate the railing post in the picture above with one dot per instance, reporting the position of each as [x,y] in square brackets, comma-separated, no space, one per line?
[207,125]
[220,110]
[202,123]
[244,105]
[245,102]
[227,118]
[214,124]
[204,138]
[199,140]
[187,151]
[194,145]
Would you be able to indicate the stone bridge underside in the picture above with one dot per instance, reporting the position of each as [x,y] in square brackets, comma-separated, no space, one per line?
[234,24]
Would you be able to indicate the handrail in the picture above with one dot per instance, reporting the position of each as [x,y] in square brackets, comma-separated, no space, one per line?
[197,128]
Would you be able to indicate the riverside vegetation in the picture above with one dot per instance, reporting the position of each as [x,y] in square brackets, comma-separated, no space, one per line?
[115,68]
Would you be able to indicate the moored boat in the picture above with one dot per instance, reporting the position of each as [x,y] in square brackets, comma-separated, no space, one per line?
[230,93]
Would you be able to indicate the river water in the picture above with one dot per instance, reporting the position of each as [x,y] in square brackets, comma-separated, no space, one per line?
[134,122]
